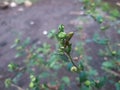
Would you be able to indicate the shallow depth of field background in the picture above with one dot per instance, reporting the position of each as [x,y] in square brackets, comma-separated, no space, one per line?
[33,20]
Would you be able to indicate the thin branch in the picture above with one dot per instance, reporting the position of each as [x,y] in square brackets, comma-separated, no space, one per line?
[71,60]
[18,87]
[112,72]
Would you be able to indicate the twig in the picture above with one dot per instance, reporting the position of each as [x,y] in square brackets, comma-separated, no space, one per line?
[112,72]
[19,88]
[71,60]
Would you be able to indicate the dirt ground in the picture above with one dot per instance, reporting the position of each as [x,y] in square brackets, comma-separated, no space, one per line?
[42,16]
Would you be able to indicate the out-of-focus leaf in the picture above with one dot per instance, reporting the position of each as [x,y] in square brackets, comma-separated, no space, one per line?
[19,1]
[44,75]
[101,82]
[52,34]
[115,13]
[105,6]
[85,88]
[83,76]
[26,42]
[92,72]
[99,19]
[66,80]
[62,86]
[17,78]
[108,64]
[69,65]
[99,40]
[117,85]
[18,55]
[62,57]
[8,82]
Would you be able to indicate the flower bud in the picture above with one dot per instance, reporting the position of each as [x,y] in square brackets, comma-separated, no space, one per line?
[62,35]
[87,83]
[69,36]
[61,28]
[31,85]
[73,69]
[114,53]
[17,40]
[12,66]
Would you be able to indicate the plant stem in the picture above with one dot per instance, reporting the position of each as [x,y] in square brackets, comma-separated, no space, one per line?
[109,47]
[19,88]
[71,60]
[112,72]
[108,43]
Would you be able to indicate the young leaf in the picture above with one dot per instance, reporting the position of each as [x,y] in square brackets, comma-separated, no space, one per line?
[66,80]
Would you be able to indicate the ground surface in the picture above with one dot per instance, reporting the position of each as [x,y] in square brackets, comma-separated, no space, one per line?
[42,16]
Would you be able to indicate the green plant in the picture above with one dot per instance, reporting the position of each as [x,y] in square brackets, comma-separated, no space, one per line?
[107,19]
[22,1]
[39,62]
[42,59]
[87,78]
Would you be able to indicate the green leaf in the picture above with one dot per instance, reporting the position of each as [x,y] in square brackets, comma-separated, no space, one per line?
[69,65]
[81,66]
[99,40]
[99,19]
[19,1]
[93,72]
[17,41]
[105,7]
[57,66]
[8,82]
[62,86]
[18,55]
[101,82]
[66,80]
[103,28]
[52,34]
[117,85]
[17,77]
[12,67]
[53,58]
[87,83]
[115,13]
[85,88]
[86,1]
[44,75]
[83,76]
[63,57]
[62,35]
[61,28]
[26,42]
[108,64]
[52,64]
